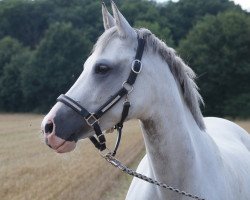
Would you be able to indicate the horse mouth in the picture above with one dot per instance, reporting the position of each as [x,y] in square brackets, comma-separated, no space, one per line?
[59,145]
[66,146]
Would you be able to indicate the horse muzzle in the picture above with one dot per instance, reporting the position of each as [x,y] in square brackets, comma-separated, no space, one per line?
[61,128]
[54,142]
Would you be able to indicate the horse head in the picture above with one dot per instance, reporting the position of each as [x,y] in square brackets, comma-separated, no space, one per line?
[105,72]
[162,77]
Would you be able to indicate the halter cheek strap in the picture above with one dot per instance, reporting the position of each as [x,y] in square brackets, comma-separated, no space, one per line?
[92,119]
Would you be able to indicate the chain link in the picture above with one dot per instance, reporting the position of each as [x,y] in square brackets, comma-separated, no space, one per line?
[112,160]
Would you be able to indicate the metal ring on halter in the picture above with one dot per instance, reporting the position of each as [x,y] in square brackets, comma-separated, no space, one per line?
[133,65]
[91,120]
[105,153]
[126,101]
[127,87]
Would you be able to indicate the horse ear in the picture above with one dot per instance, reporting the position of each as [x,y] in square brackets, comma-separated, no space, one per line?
[108,20]
[124,28]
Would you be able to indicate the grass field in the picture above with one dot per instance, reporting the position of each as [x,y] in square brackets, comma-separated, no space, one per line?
[29,170]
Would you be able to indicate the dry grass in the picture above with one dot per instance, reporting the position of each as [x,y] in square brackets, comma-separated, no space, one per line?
[30,170]
[120,187]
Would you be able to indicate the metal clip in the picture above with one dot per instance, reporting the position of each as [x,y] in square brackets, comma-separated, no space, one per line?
[114,162]
[105,153]
[126,99]
[91,120]
[127,87]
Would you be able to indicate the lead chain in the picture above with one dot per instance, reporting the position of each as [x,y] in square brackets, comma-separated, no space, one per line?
[112,160]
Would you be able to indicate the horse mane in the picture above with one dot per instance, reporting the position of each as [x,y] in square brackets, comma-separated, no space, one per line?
[182,73]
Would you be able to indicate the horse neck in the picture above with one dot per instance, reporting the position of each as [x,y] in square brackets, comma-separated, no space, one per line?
[175,145]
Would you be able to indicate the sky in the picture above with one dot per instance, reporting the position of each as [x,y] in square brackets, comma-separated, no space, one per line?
[245,4]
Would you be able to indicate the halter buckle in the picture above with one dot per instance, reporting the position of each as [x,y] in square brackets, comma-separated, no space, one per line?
[134,64]
[91,120]
[127,87]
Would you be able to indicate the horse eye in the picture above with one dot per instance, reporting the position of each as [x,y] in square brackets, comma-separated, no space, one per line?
[102,69]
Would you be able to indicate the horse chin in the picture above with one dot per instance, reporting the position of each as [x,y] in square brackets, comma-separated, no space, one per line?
[59,144]
[66,147]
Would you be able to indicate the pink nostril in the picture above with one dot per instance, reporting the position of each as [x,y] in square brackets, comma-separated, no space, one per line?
[49,127]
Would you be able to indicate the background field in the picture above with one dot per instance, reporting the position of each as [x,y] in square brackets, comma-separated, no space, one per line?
[29,170]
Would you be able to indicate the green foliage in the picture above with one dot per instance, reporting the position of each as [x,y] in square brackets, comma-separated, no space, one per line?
[219,47]
[140,10]
[11,93]
[184,14]
[54,66]
[13,56]
[43,44]
[163,33]
[238,106]
[24,20]
[8,48]
[147,14]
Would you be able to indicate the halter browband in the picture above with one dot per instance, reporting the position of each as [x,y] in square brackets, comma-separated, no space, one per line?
[92,119]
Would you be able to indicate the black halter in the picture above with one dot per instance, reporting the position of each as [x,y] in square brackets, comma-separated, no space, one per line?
[92,119]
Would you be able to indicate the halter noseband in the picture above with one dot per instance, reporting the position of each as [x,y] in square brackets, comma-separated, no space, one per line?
[92,119]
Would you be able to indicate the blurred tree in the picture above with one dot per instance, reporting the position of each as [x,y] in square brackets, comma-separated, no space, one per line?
[11,62]
[146,14]
[8,48]
[184,14]
[55,65]
[140,11]
[239,106]
[162,33]
[84,15]
[11,93]
[24,20]
[219,47]
[53,31]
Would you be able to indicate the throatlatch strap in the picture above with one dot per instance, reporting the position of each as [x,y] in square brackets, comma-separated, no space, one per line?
[125,111]
[119,126]
[118,141]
